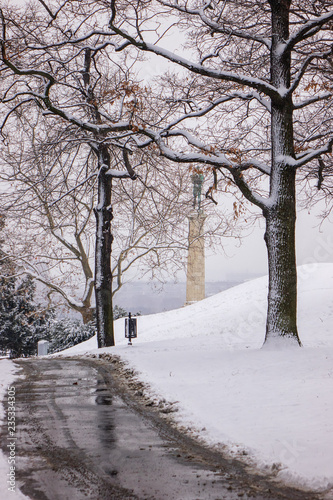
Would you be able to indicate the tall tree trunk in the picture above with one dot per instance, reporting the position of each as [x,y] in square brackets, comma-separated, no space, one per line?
[103,274]
[281,214]
[103,212]
[280,241]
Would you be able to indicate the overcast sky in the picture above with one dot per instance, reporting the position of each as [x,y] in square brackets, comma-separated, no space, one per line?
[313,244]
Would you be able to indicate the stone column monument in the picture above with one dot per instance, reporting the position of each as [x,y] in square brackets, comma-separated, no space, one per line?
[195,276]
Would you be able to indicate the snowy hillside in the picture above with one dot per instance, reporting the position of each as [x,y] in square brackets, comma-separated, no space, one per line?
[237,316]
[275,406]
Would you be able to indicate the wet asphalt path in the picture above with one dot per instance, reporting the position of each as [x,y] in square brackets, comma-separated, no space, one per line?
[78,439]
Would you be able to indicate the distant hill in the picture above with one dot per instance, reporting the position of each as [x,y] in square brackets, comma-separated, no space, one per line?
[149,297]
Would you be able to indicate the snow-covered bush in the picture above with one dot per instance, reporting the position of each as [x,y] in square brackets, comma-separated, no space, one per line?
[22,322]
[66,333]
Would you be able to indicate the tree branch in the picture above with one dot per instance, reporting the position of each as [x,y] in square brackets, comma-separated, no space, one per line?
[301,72]
[312,100]
[255,83]
[313,154]
[215,27]
[307,30]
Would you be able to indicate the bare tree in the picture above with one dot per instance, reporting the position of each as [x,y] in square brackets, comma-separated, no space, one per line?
[49,195]
[65,81]
[261,68]
[318,185]
[49,204]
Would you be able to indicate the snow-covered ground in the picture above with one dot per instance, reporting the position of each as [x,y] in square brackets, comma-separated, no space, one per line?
[272,407]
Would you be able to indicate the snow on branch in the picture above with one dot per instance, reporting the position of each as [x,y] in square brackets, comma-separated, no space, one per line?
[256,83]
[313,154]
[9,64]
[88,126]
[302,70]
[129,173]
[215,159]
[43,100]
[205,110]
[207,155]
[216,27]
[76,41]
[249,194]
[119,174]
[308,29]
[258,165]
[312,100]
[193,141]
[58,235]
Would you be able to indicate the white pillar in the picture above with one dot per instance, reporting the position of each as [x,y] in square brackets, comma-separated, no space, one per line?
[42,347]
[195,276]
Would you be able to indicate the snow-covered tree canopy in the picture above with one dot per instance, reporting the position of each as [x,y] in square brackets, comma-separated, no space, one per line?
[236,72]
[228,55]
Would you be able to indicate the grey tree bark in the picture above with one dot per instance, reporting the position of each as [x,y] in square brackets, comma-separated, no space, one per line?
[103,274]
[281,215]
[103,213]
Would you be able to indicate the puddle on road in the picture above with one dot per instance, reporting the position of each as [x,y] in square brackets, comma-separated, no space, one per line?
[131,451]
